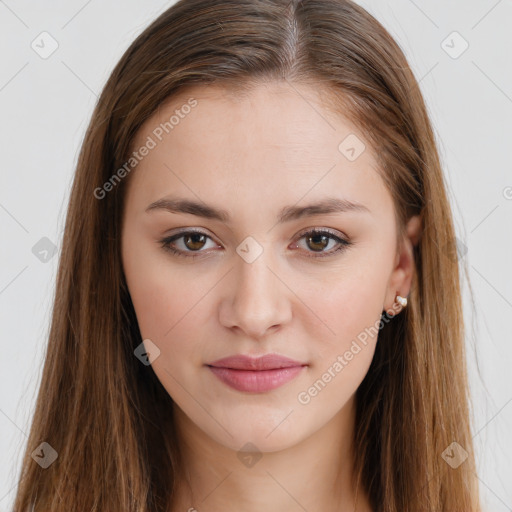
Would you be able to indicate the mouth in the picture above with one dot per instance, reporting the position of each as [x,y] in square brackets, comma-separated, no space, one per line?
[256,375]
[256,381]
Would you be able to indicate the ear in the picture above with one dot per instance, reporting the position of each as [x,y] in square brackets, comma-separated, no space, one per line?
[403,271]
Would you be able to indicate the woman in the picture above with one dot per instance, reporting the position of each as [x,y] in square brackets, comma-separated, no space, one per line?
[258,301]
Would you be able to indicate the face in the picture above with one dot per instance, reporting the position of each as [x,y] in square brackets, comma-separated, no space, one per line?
[248,270]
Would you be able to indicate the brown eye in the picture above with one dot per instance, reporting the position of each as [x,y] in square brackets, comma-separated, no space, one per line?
[194,241]
[186,243]
[191,243]
[317,241]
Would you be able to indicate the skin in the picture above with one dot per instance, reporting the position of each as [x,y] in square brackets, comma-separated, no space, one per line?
[252,155]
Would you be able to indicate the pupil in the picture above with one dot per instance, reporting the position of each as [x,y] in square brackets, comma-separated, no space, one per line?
[194,237]
[316,237]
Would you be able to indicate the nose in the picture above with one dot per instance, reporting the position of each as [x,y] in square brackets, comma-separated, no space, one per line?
[258,299]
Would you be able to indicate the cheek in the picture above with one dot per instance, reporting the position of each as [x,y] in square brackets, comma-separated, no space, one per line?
[170,308]
[153,300]
[353,312]
[350,305]
[156,288]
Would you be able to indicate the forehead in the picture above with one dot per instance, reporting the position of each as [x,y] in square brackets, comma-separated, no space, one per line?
[276,114]
[277,139]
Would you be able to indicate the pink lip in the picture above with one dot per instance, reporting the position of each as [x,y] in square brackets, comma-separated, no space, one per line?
[256,375]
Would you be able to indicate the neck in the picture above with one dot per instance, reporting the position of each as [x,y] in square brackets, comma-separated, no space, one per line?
[315,474]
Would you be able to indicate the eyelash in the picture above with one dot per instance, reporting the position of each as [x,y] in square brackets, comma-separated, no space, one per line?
[166,243]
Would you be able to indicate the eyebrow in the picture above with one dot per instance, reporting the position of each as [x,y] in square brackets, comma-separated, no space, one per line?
[286,214]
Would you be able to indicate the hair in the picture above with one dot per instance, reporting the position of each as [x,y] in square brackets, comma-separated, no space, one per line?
[107,415]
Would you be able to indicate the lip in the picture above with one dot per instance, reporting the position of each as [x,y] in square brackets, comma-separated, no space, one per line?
[266,362]
[256,375]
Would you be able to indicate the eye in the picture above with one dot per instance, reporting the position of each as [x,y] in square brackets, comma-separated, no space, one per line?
[193,241]
[319,239]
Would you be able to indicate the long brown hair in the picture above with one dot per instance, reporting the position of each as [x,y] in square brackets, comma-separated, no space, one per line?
[106,414]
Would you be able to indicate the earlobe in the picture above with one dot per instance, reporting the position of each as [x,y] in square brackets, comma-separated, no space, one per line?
[397,306]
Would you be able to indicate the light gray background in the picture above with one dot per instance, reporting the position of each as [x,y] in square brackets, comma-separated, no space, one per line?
[46,106]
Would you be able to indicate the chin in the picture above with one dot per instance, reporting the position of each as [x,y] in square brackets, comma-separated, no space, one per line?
[265,432]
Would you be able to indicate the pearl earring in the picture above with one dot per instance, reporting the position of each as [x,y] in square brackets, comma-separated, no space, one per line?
[401,300]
